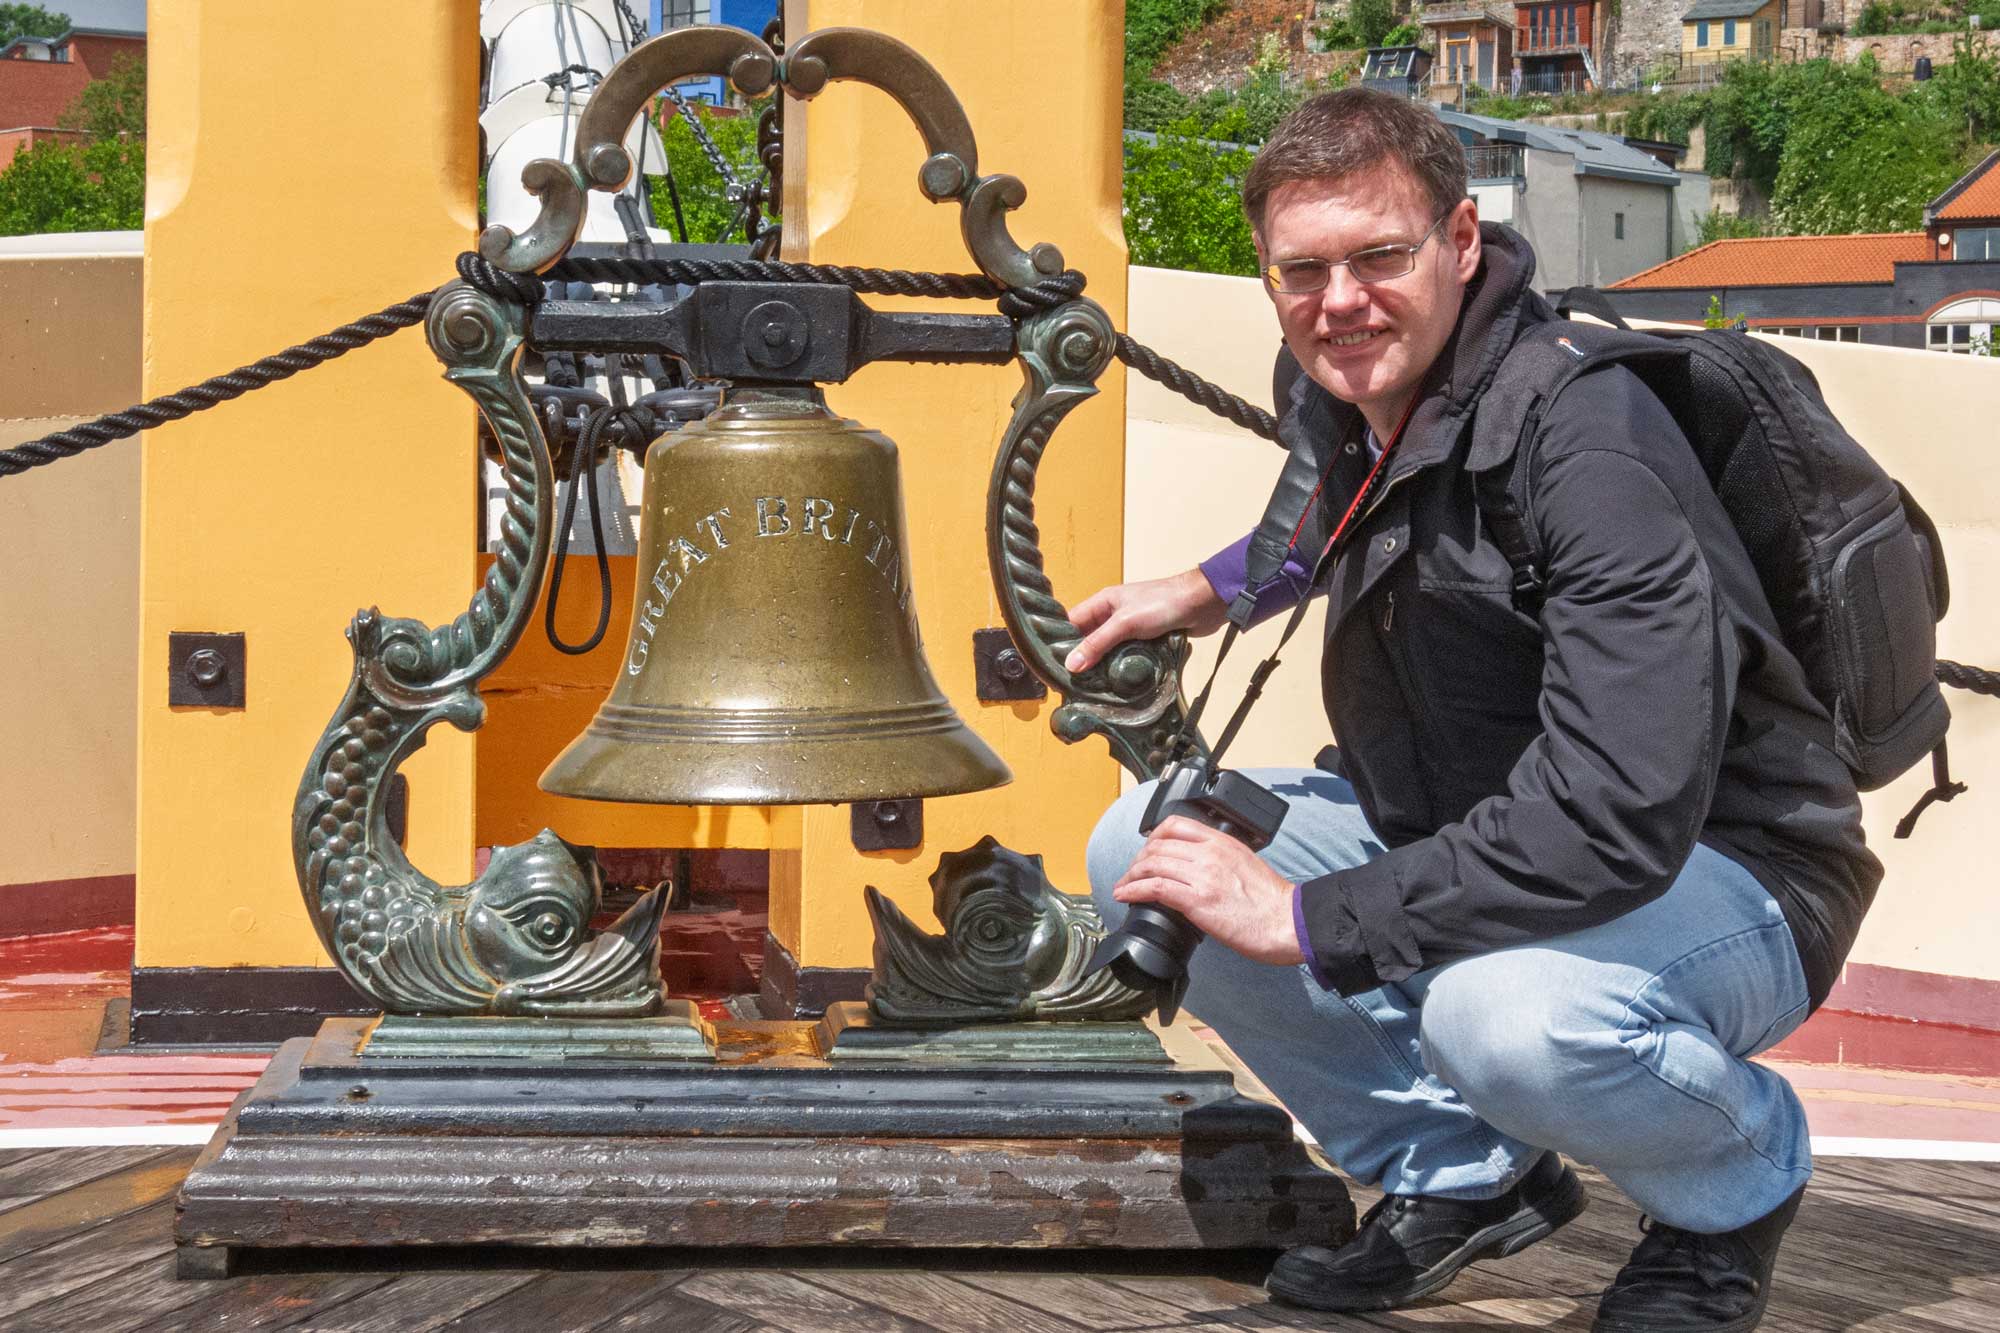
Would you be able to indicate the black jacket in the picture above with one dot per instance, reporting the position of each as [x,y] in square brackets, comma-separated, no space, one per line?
[1532,779]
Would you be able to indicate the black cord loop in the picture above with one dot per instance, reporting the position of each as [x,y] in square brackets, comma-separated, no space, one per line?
[583,461]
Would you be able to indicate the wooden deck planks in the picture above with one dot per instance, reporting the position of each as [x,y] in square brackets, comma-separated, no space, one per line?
[1885,1246]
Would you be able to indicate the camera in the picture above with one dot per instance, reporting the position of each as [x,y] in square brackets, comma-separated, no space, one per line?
[1150,952]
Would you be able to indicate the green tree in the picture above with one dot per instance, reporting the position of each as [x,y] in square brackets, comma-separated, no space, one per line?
[99,185]
[56,186]
[1370,20]
[113,107]
[704,195]
[1183,207]
[1854,158]
[30,21]
[1713,318]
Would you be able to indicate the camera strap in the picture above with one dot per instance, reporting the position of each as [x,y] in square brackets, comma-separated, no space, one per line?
[1328,556]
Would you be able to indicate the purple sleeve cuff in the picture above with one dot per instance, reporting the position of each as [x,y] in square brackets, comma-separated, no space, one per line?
[1305,941]
[1226,572]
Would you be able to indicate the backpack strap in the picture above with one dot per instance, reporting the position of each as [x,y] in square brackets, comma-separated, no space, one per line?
[1542,362]
[1502,493]
[1588,301]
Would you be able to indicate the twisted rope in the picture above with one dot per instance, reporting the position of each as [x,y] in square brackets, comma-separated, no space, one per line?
[1196,389]
[1976,679]
[219,389]
[527,290]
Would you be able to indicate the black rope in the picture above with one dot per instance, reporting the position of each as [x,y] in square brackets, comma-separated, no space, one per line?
[1976,679]
[1196,389]
[220,389]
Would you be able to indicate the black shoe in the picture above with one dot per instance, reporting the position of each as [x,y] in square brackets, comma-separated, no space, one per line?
[1410,1245]
[1687,1282]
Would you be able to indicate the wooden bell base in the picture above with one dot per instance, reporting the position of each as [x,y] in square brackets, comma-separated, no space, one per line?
[771,1144]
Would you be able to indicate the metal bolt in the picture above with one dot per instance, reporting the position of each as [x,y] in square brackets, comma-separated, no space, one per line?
[206,667]
[888,812]
[774,334]
[1009,664]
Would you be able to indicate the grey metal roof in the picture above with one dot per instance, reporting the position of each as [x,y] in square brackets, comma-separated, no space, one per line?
[1723,9]
[1595,154]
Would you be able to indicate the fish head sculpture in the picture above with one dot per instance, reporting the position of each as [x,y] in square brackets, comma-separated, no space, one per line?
[533,906]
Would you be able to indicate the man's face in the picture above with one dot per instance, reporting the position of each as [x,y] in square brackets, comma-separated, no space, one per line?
[1369,343]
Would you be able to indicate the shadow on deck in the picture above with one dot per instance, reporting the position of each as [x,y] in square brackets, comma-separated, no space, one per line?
[85,1243]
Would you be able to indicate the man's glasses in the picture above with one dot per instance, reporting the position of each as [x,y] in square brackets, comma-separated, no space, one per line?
[1375,264]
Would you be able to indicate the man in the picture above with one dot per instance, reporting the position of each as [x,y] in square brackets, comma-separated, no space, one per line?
[1576,866]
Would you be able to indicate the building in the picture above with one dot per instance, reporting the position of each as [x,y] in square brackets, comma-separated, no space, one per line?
[749,15]
[1555,47]
[1717,30]
[1401,70]
[41,76]
[1474,42]
[1594,207]
[1937,288]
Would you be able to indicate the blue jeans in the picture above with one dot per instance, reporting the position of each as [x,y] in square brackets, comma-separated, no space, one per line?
[1623,1045]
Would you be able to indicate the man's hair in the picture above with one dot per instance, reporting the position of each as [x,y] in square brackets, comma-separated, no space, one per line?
[1352,130]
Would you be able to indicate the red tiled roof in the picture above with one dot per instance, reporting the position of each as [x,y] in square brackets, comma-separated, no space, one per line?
[1980,197]
[1774,261]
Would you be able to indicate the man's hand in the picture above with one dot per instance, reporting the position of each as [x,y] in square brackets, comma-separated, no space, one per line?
[1217,883]
[1144,610]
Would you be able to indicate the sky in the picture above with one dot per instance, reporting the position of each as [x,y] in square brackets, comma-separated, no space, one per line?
[118,15]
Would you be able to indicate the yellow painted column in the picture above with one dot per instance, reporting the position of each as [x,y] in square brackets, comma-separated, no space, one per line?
[306,165]
[1041,81]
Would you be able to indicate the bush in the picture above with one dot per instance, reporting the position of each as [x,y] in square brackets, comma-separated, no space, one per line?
[1874,20]
[1717,225]
[1151,26]
[1408,34]
[1152,105]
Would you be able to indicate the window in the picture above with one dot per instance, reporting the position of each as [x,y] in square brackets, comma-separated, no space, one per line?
[1964,326]
[1701,33]
[1729,32]
[1617,226]
[1832,333]
[682,13]
[1976,243]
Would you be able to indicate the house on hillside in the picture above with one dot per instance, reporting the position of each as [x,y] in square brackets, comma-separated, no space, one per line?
[1474,41]
[1555,46]
[1937,288]
[41,76]
[1594,207]
[1717,30]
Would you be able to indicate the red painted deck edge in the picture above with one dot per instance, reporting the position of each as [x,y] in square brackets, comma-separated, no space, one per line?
[1923,997]
[45,907]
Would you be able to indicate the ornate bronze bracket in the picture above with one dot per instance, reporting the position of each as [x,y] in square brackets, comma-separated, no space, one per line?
[517,940]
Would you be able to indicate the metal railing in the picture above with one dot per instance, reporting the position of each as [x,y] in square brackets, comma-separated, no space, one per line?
[1552,81]
[1494,161]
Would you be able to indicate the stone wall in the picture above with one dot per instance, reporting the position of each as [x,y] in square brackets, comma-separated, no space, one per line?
[1639,33]
[1897,53]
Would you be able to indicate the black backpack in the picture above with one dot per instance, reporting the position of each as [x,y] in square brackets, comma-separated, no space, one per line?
[1851,564]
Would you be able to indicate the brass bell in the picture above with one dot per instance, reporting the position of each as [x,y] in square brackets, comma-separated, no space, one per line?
[773,657]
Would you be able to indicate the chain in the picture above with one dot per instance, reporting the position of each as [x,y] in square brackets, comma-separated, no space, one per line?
[734,186]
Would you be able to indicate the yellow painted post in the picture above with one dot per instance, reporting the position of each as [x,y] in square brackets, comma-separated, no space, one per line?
[306,165]
[1041,82]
